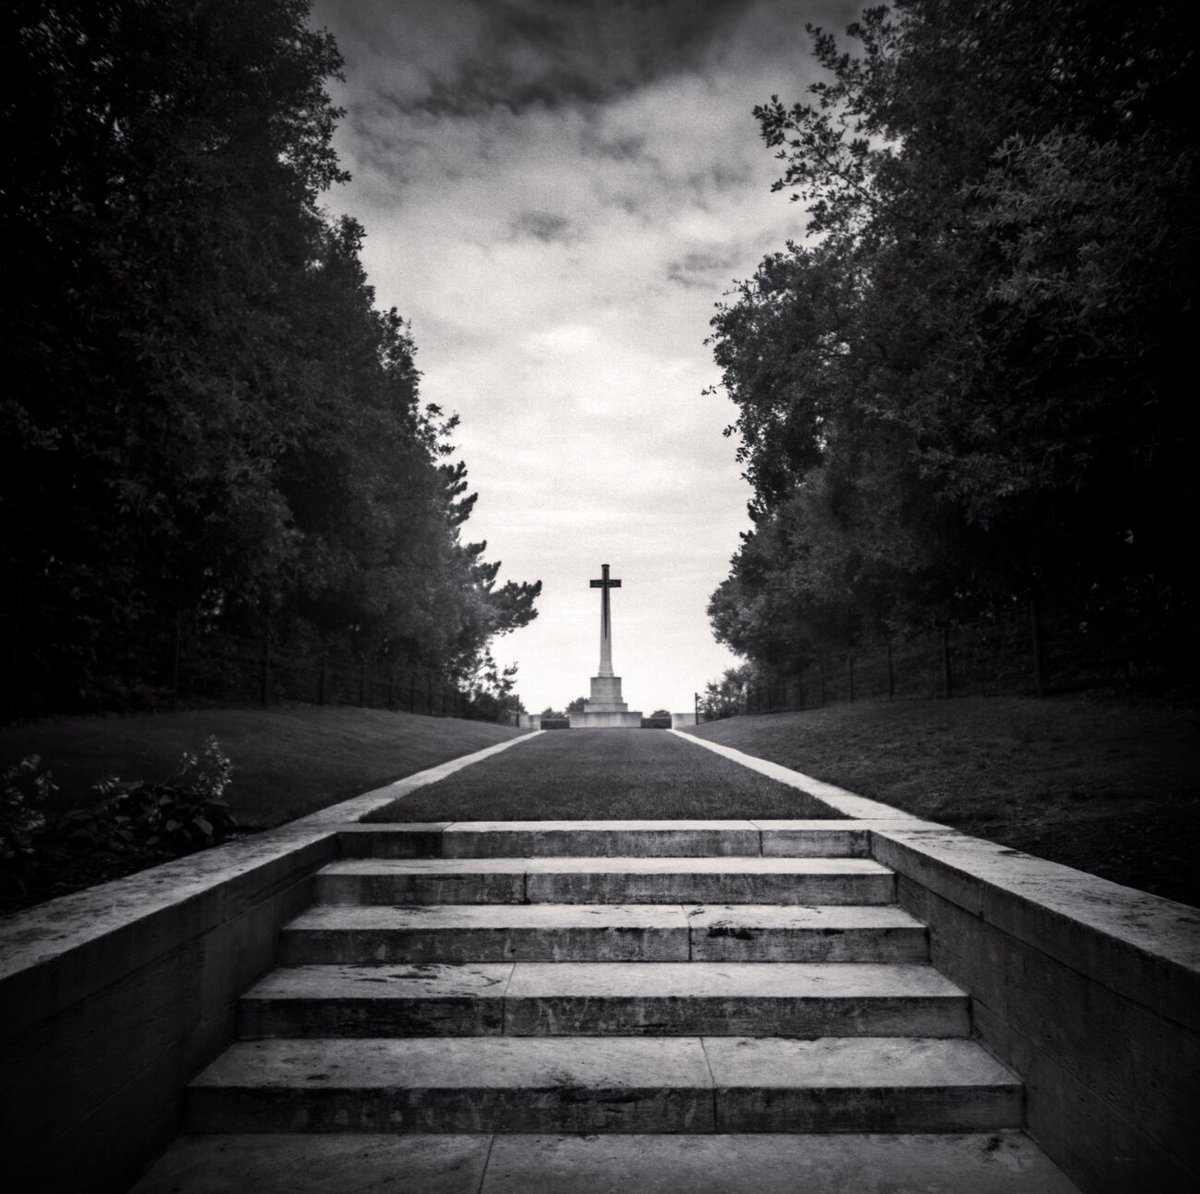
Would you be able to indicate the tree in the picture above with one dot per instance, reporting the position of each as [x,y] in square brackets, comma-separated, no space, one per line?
[205,412]
[576,706]
[963,386]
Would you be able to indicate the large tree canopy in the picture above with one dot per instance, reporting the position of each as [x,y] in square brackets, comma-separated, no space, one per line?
[970,381]
[203,410]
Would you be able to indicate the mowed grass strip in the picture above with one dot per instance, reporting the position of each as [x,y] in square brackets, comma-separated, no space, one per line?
[1104,785]
[583,775]
[287,761]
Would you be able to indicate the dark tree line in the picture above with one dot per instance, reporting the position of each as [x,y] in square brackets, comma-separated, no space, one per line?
[203,410]
[973,381]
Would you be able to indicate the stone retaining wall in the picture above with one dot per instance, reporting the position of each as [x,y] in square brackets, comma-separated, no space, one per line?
[1090,991]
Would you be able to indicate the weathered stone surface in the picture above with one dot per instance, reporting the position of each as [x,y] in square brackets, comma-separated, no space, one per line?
[767,933]
[710,880]
[294,1164]
[374,1001]
[423,881]
[483,933]
[573,1084]
[809,839]
[516,839]
[606,880]
[410,840]
[735,999]
[995,1163]
[763,1163]
[856,1084]
[1145,947]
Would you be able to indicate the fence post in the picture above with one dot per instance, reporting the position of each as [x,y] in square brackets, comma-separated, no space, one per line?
[429,695]
[391,688]
[821,681]
[1039,664]
[321,681]
[412,692]
[696,707]
[265,686]
[947,678]
[362,684]
[850,675]
[891,675]
[175,645]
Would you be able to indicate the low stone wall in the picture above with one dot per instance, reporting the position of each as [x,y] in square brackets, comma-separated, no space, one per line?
[113,998]
[1087,989]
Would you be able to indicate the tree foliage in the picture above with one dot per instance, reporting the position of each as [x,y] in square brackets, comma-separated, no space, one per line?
[968,382]
[204,410]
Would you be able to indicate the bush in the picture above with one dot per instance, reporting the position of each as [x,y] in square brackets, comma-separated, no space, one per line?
[128,824]
[556,723]
[657,721]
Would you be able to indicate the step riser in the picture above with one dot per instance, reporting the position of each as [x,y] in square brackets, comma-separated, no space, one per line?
[604,888]
[382,842]
[302,947]
[592,1110]
[574,1016]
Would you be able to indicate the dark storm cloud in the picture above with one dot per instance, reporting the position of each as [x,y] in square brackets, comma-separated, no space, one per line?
[702,268]
[522,54]
[544,226]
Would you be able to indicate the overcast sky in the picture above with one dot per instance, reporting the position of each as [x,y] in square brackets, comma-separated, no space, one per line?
[556,193]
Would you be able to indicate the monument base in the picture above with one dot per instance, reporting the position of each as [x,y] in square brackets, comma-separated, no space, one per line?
[608,719]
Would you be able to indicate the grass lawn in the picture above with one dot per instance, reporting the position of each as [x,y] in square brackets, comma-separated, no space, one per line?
[1108,787]
[606,775]
[287,761]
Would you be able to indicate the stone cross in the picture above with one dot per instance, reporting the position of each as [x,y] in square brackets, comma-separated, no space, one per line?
[604,584]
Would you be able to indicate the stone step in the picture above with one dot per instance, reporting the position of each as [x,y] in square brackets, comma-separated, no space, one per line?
[605,1084]
[602,933]
[605,998]
[1005,1162]
[606,839]
[731,880]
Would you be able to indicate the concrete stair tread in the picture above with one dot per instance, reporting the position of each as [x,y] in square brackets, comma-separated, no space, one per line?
[884,1063]
[601,879]
[482,839]
[550,916]
[528,980]
[753,1163]
[588,932]
[723,865]
[604,998]
[605,1084]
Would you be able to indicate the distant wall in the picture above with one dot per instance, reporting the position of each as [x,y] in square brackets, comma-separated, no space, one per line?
[1090,991]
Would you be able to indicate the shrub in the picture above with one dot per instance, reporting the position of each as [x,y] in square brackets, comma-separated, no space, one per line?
[556,723]
[42,850]
[657,721]
[24,788]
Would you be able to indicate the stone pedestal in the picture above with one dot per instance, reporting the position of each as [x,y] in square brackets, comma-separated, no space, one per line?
[605,721]
[606,696]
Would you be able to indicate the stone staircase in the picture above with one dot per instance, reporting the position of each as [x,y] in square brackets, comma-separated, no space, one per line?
[531,999]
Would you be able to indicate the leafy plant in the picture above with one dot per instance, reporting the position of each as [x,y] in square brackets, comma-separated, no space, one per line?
[24,788]
[182,814]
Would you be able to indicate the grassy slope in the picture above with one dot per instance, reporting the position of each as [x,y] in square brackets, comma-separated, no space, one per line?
[606,775]
[1107,787]
[287,761]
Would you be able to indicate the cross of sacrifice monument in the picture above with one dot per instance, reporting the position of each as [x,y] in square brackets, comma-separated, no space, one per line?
[606,708]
